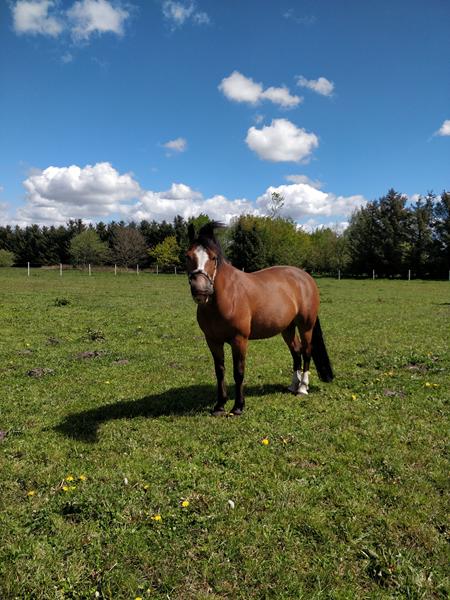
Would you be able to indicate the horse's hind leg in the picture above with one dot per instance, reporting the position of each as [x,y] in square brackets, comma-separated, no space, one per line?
[293,343]
[239,351]
[306,346]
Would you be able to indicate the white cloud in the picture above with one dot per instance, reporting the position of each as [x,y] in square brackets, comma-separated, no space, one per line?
[179,13]
[4,212]
[32,17]
[303,202]
[445,128]
[57,194]
[282,141]
[321,86]
[83,19]
[183,200]
[96,16]
[99,192]
[177,145]
[304,179]
[239,88]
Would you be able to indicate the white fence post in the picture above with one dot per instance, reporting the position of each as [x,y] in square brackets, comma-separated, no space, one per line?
[137,269]
[339,274]
[60,269]
[409,274]
[89,269]
[28,269]
[115,269]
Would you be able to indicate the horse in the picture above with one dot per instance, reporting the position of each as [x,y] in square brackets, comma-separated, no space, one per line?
[234,307]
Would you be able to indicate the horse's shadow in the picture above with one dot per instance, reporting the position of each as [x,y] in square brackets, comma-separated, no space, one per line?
[183,401]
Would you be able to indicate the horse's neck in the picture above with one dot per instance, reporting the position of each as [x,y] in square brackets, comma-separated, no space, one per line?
[226,281]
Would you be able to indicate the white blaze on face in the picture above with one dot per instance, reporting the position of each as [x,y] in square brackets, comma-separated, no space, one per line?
[202,257]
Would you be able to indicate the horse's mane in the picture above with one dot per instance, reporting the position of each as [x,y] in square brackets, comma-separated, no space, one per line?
[206,238]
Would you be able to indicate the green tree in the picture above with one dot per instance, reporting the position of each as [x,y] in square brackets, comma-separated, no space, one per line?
[328,251]
[166,253]
[246,248]
[441,215]
[379,236]
[6,258]
[87,248]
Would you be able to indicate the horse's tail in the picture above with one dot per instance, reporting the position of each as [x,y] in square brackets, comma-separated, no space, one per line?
[320,354]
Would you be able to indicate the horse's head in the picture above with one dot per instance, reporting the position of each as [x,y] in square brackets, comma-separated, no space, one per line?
[202,260]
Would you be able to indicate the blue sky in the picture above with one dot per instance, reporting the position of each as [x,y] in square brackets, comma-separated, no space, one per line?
[132,110]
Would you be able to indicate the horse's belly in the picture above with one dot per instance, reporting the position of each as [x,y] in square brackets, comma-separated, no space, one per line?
[266,328]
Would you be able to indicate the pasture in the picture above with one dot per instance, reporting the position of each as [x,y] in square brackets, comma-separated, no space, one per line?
[116,483]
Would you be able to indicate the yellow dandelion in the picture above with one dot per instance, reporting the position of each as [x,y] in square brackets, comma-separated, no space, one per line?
[265,442]
[65,488]
[70,478]
[185,503]
[146,486]
[107,382]
[156,518]
[31,493]
[354,396]
[138,598]
[82,477]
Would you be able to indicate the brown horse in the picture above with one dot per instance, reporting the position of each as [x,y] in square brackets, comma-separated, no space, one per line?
[235,307]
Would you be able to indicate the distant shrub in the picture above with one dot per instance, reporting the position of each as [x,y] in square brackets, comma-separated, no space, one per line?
[6,258]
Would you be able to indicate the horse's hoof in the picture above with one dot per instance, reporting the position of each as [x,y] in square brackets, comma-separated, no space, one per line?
[292,389]
[218,412]
[237,412]
[302,392]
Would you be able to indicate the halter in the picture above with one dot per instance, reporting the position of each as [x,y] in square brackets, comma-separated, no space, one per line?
[204,273]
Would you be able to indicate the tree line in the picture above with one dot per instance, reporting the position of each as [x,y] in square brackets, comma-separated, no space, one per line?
[387,236]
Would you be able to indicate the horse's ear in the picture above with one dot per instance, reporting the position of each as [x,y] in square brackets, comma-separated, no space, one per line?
[191,233]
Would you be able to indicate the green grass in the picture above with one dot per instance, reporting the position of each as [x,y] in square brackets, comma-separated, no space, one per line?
[348,500]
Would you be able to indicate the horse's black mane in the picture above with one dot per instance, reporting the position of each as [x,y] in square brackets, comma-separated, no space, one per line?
[207,238]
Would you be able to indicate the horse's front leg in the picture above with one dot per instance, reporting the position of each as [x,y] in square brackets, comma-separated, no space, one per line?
[239,350]
[219,366]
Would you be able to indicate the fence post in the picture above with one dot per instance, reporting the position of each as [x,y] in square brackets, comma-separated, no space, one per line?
[175,270]
[409,274]
[28,269]
[157,271]
[373,274]
[339,274]
[115,270]
[60,269]
[89,269]
[137,269]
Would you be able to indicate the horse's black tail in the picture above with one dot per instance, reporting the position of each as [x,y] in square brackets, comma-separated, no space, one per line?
[320,354]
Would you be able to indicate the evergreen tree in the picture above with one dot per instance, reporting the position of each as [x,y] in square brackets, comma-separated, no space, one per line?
[246,249]
[442,234]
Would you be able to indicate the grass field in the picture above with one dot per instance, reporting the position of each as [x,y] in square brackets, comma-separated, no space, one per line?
[116,483]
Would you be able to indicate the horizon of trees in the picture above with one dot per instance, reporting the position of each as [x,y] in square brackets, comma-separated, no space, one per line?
[386,236]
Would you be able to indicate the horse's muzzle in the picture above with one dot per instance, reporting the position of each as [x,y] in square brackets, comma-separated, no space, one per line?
[201,288]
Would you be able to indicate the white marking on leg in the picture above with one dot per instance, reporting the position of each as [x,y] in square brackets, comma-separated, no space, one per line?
[296,380]
[202,257]
[305,383]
